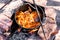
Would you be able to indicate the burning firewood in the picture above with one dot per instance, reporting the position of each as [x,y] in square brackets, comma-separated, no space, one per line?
[27,19]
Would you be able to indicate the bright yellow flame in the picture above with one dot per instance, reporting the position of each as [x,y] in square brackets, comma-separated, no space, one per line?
[27,19]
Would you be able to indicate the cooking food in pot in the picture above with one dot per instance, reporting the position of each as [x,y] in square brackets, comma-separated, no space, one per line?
[27,19]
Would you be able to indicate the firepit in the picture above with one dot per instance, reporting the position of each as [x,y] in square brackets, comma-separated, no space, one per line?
[27,18]
[26,30]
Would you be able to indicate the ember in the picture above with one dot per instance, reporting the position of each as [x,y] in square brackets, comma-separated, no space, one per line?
[27,19]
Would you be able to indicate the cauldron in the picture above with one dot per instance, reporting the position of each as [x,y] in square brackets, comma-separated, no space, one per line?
[23,8]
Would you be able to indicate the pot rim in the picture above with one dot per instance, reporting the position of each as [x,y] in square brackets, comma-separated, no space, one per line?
[32,7]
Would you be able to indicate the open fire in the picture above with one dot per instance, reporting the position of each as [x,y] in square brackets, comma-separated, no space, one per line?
[27,19]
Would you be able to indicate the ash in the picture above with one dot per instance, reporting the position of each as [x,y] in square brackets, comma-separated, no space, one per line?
[24,36]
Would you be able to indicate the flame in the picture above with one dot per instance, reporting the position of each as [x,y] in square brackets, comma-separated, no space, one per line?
[32,31]
[27,19]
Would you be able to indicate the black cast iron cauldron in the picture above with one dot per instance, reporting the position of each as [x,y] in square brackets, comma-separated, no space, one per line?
[23,8]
